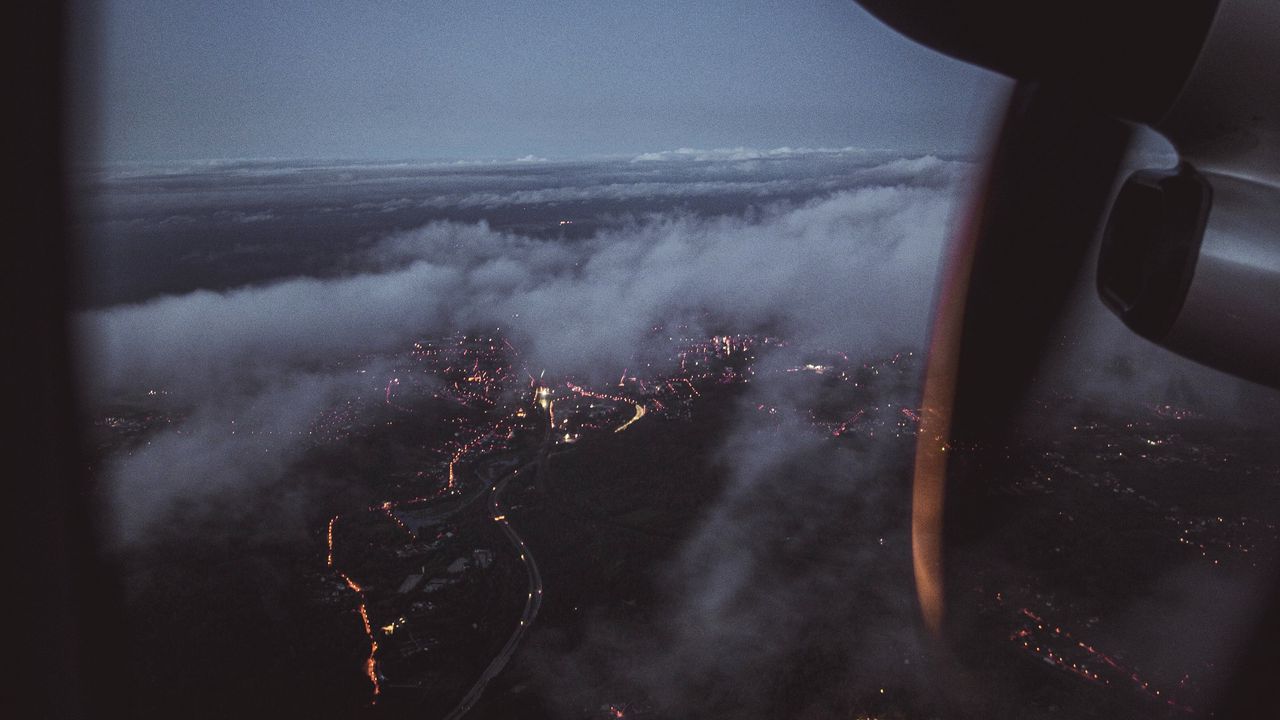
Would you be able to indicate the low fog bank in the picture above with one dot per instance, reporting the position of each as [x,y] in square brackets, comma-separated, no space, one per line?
[850,269]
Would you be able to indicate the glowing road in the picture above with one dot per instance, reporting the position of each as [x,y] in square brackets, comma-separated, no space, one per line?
[469,479]
[639,414]
[532,603]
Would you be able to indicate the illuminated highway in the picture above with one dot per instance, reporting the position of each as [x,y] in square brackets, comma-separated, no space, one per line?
[478,376]
[532,603]
[639,414]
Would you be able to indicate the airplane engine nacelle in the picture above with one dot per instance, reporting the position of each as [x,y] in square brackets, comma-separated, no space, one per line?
[1191,257]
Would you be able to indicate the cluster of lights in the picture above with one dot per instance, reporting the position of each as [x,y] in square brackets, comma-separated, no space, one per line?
[478,374]
[1026,637]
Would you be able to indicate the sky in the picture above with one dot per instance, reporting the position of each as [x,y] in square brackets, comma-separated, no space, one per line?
[172,80]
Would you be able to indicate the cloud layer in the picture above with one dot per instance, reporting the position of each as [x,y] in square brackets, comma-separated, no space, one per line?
[850,267]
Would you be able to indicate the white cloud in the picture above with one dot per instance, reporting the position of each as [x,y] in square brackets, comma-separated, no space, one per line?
[745,153]
[853,270]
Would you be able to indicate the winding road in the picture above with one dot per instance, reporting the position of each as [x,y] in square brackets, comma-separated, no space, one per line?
[532,603]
